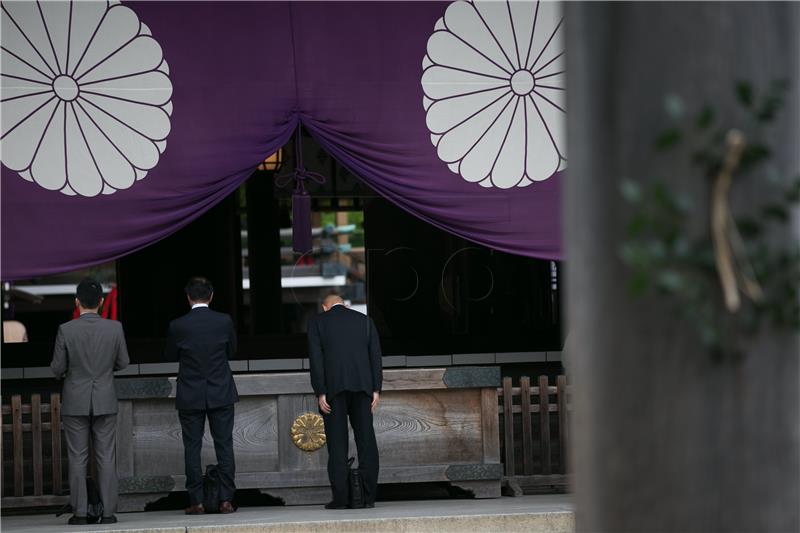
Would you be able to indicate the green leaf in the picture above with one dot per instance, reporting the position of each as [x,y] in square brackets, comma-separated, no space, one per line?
[793,192]
[753,154]
[638,283]
[670,281]
[668,139]
[633,254]
[683,204]
[773,101]
[769,109]
[637,225]
[673,104]
[744,92]
[631,191]
[748,227]
[775,211]
[704,118]
[681,247]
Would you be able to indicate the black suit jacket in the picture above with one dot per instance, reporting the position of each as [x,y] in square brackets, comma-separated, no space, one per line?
[203,341]
[344,352]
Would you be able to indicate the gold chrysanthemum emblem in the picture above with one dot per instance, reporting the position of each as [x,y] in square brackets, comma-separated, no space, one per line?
[308,432]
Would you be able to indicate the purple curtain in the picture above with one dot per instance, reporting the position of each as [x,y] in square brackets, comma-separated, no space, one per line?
[123,124]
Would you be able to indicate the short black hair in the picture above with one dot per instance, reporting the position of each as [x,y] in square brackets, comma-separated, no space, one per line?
[89,292]
[199,289]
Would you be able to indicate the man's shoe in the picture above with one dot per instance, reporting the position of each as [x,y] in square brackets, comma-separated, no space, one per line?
[226,508]
[195,509]
[334,505]
[109,520]
[370,505]
[77,520]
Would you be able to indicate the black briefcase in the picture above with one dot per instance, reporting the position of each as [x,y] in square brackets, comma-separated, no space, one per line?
[356,499]
[211,485]
[94,506]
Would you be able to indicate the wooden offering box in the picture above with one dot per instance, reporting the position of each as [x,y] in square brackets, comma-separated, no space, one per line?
[432,425]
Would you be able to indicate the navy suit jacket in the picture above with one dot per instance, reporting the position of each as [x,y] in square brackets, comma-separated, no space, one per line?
[202,341]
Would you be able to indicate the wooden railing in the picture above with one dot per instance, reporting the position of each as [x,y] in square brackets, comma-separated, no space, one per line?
[30,430]
[533,443]
[534,431]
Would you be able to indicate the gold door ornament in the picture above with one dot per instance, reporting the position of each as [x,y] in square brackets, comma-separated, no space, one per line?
[308,432]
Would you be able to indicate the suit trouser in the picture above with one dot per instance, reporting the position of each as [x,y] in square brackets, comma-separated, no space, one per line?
[104,434]
[193,425]
[357,407]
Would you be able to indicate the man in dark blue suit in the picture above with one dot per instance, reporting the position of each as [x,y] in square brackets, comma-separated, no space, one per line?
[203,341]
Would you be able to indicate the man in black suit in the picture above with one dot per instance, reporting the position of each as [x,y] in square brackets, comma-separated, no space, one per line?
[203,341]
[346,374]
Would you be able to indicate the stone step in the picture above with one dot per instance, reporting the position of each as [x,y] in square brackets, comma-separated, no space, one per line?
[530,514]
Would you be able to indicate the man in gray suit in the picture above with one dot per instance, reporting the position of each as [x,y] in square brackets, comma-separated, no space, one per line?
[87,352]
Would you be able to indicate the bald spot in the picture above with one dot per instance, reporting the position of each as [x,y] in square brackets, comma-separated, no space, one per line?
[332,299]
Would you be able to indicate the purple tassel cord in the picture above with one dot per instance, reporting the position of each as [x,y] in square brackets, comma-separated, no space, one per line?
[301,199]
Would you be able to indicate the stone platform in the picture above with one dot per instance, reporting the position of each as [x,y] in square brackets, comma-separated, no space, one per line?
[531,514]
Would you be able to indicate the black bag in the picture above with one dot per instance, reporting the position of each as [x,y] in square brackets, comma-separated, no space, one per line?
[211,489]
[94,506]
[356,499]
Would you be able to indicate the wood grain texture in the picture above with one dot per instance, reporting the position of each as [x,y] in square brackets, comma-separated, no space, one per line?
[527,430]
[300,495]
[508,427]
[480,489]
[158,445]
[563,427]
[319,477]
[125,440]
[442,426]
[55,441]
[544,425]
[16,422]
[36,443]
[291,382]
[414,379]
[491,426]
[292,457]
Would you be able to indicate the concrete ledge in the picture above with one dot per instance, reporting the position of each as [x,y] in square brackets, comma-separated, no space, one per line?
[428,360]
[130,370]
[394,361]
[275,364]
[38,372]
[563,522]
[521,357]
[158,368]
[262,365]
[530,514]
[473,358]
[238,365]
[12,373]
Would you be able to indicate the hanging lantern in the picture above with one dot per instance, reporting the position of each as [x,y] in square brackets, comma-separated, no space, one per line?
[273,162]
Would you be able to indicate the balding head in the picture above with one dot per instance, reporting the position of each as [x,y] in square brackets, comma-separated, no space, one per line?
[331,300]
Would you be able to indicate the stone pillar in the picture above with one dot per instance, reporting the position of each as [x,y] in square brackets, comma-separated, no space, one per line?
[667,439]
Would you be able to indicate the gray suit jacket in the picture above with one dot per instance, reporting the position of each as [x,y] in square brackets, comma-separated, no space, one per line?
[88,351]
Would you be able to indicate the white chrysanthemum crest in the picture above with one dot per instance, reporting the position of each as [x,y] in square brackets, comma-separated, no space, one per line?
[86,95]
[493,82]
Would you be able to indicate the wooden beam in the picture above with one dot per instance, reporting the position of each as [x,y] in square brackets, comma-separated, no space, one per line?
[16,422]
[527,432]
[55,439]
[508,426]
[544,418]
[36,436]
